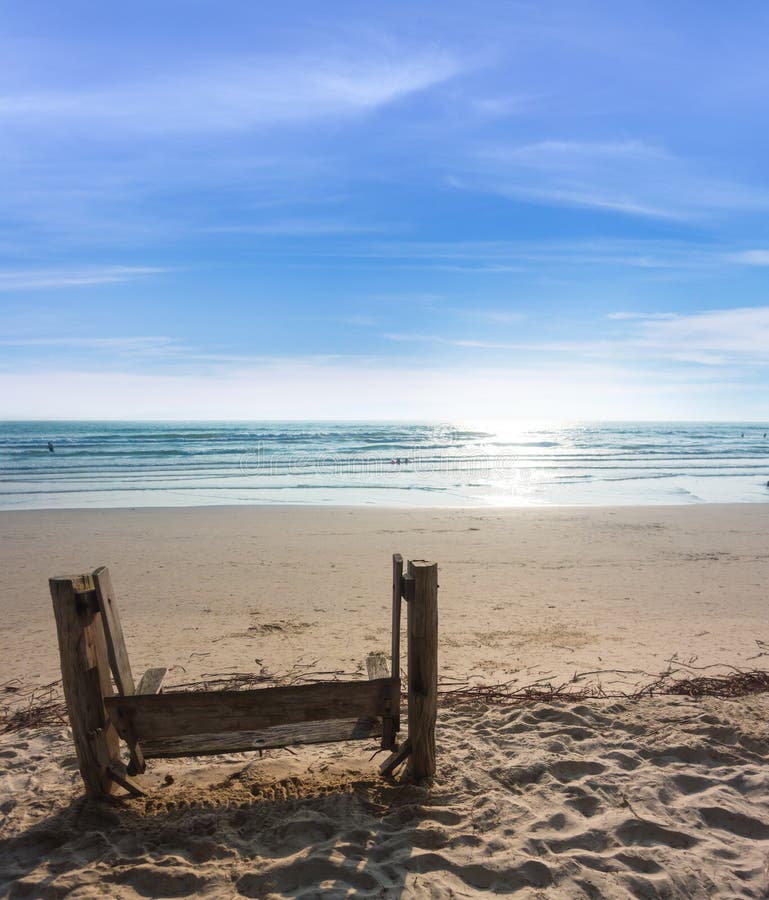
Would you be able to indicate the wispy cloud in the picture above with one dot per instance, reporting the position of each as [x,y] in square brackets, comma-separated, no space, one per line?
[227,95]
[628,176]
[645,257]
[39,279]
[505,105]
[361,321]
[715,336]
[512,256]
[142,353]
[565,155]
[750,257]
[494,316]
[711,338]
[586,348]
[631,316]
[299,228]
[122,345]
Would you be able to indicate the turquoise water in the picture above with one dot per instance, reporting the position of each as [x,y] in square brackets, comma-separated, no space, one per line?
[134,464]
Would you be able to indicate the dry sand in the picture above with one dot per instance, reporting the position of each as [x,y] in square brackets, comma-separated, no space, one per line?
[665,797]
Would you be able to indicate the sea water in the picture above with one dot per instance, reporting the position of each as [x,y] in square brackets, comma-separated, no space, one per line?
[141,464]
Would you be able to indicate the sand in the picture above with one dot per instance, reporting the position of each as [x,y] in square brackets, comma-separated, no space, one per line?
[664,797]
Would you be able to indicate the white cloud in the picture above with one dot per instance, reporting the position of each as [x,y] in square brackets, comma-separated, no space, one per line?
[562,154]
[495,316]
[361,321]
[520,255]
[714,336]
[238,95]
[586,348]
[750,257]
[506,105]
[299,228]
[130,346]
[629,316]
[646,255]
[39,279]
[627,176]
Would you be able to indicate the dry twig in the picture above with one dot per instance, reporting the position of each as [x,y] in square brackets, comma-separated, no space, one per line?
[43,705]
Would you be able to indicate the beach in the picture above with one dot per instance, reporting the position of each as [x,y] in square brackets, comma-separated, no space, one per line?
[384,451]
[664,796]
[526,593]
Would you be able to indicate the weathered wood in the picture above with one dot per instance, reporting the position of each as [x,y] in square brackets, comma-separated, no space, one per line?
[118,775]
[395,668]
[399,755]
[113,630]
[117,654]
[156,716]
[376,666]
[267,739]
[192,724]
[396,614]
[151,681]
[86,680]
[137,764]
[423,667]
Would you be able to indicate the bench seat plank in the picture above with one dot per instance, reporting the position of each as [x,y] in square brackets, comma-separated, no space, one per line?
[153,717]
[268,738]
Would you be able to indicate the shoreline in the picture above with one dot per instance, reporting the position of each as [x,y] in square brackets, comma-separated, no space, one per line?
[451,466]
[374,507]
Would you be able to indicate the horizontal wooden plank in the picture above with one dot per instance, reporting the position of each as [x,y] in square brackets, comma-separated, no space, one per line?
[270,738]
[156,716]
[151,681]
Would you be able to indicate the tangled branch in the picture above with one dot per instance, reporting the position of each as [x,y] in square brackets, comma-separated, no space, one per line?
[41,706]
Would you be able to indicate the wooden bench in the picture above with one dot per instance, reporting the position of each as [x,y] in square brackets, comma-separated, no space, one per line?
[106,706]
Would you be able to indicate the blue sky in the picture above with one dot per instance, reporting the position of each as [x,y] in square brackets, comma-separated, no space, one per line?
[295,210]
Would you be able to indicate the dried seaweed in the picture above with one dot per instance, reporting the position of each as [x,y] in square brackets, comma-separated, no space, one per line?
[31,706]
[23,706]
[736,685]
[39,706]
[671,682]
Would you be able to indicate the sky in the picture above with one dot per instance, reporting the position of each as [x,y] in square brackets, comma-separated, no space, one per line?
[412,210]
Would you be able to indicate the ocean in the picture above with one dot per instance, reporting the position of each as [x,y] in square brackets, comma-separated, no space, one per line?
[142,464]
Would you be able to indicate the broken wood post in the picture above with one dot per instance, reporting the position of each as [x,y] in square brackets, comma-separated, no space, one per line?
[117,655]
[395,669]
[86,679]
[422,666]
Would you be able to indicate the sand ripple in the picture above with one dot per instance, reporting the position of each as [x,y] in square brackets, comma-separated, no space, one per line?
[662,798]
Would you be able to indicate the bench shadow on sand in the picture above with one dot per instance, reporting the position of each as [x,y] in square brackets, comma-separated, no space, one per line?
[345,836]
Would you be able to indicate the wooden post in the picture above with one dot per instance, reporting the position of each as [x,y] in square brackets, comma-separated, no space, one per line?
[395,670]
[117,655]
[423,666]
[86,679]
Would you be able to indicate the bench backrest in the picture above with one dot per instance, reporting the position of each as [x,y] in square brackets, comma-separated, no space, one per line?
[186,723]
[93,653]
[163,722]
[113,632]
